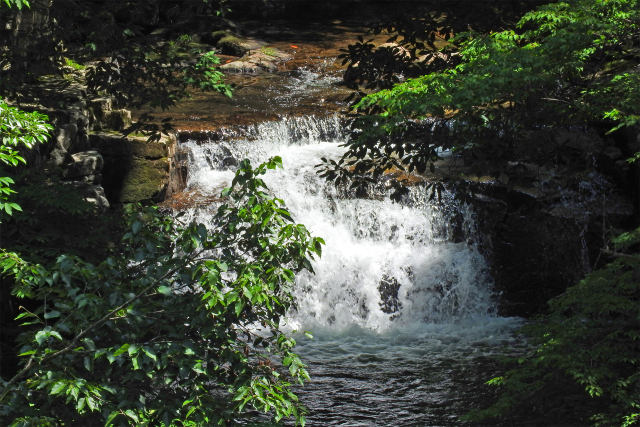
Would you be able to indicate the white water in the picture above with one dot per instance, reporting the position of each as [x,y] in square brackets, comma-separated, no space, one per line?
[401,304]
[386,266]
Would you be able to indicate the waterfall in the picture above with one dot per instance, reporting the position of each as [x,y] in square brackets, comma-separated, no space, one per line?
[386,265]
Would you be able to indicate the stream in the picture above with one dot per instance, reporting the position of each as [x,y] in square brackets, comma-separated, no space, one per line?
[401,306]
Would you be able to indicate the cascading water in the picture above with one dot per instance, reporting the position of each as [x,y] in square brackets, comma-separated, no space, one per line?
[401,302]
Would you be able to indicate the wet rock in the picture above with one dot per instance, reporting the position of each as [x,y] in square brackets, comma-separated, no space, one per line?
[539,239]
[178,170]
[240,67]
[388,289]
[263,59]
[229,161]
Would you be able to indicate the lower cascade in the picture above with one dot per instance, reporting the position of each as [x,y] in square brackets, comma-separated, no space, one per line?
[400,286]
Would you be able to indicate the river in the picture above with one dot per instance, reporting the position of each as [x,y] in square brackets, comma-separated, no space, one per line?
[401,305]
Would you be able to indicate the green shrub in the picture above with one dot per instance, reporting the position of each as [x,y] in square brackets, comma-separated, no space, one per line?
[181,327]
[586,363]
[569,63]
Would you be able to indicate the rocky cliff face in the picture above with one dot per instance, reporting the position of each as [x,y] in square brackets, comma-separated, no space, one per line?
[538,244]
[545,227]
[88,151]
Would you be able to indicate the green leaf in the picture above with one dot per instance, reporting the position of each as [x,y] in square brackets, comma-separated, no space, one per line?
[149,353]
[80,405]
[164,290]
[132,349]
[52,314]
[41,336]
[124,347]
[131,414]
[58,387]
[238,307]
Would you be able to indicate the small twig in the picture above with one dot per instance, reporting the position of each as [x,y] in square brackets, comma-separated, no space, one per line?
[555,100]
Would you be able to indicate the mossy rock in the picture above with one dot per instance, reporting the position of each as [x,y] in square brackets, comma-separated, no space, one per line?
[232,45]
[135,170]
[215,36]
[148,150]
[145,180]
[114,145]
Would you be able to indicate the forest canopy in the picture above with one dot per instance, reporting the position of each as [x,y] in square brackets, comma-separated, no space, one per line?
[564,64]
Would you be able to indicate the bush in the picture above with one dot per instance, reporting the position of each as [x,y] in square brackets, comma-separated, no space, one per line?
[585,366]
[179,328]
[565,64]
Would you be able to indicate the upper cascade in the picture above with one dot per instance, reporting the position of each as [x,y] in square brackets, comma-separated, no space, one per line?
[385,265]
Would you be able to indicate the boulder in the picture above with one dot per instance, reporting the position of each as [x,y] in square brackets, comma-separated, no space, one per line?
[240,67]
[85,166]
[135,170]
[64,138]
[117,119]
[91,193]
[232,45]
[263,59]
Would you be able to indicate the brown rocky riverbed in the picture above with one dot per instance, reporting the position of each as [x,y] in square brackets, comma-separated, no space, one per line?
[305,81]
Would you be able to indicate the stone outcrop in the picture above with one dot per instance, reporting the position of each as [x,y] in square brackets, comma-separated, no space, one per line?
[235,46]
[263,59]
[85,166]
[539,239]
[137,170]
[88,153]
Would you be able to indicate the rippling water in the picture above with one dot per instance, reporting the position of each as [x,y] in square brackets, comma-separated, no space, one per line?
[427,377]
[401,304]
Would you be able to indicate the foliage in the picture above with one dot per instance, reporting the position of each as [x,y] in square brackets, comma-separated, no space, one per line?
[151,75]
[73,64]
[180,328]
[205,76]
[116,46]
[17,3]
[586,357]
[420,40]
[56,219]
[17,129]
[566,64]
